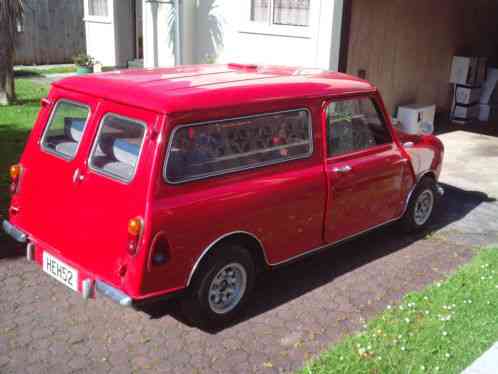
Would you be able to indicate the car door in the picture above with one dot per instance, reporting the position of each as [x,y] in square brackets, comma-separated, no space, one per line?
[364,168]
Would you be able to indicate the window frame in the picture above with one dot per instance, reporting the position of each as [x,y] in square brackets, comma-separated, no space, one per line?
[49,123]
[94,18]
[358,152]
[249,26]
[242,168]
[104,173]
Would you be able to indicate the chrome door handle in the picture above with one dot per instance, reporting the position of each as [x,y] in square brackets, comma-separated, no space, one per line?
[77,176]
[342,170]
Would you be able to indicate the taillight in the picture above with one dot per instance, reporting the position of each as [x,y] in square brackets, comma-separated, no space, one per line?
[15,175]
[135,227]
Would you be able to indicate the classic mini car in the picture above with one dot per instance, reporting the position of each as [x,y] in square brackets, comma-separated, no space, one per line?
[188,181]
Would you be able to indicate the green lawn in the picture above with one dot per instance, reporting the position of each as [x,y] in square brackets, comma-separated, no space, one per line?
[26,71]
[442,329]
[15,123]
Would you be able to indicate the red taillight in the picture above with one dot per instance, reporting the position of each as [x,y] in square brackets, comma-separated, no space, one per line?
[15,175]
[135,227]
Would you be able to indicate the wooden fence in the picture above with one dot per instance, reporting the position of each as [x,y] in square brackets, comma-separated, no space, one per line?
[53,32]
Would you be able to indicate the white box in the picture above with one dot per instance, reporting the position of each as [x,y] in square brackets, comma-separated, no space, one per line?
[466,111]
[489,86]
[417,119]
[468,70]
[484,112]
[467,94]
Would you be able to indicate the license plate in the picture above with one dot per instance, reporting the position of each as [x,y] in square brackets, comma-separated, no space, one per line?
[60,271]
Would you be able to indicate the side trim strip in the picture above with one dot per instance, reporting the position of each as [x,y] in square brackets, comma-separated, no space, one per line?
[311,251]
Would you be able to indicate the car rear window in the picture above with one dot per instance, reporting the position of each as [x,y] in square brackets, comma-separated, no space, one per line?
[118,146]
[65,129]
[202,150]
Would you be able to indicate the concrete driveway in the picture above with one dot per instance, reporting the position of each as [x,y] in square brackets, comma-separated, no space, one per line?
[296,311]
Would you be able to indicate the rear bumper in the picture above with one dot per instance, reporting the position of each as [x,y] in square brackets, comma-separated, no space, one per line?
[17,234]
[112,293]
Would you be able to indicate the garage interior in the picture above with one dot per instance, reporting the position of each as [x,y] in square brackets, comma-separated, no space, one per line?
[406,49]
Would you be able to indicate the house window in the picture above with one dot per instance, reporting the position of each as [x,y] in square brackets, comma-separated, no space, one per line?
[281,12]
[98,8]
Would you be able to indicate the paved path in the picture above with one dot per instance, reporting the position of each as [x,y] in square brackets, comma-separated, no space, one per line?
[296,311]
[486,364]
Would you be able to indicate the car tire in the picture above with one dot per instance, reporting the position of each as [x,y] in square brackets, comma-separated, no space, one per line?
[221,287]
[421,206]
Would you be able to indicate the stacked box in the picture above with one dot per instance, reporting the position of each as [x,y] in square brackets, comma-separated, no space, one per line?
[467,76]
[488,106]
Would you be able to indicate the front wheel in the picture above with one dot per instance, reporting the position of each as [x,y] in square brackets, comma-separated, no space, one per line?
[221,287]
[421,206]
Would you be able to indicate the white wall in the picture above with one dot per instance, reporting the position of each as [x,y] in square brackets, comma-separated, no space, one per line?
[244,42]
[110,39]
[100,36]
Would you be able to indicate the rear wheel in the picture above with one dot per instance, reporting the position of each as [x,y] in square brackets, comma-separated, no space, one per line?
[421,206]
[221,288]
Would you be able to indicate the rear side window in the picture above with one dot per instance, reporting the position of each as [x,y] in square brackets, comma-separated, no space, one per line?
[203,150]
[355,125]
[118,147]
[65,129]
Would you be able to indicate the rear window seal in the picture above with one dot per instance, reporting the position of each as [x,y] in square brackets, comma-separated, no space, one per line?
[108,175]
[49,122]
[240,169]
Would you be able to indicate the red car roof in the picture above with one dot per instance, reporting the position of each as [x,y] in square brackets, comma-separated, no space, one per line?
[197,87]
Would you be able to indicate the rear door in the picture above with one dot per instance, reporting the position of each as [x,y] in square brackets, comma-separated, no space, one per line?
[364,167]
[111,188]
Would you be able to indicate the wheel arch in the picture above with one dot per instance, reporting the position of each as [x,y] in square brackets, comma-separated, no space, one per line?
[249,241]
[425,174]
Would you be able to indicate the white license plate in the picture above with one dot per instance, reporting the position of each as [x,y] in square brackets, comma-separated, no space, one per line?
[60,271]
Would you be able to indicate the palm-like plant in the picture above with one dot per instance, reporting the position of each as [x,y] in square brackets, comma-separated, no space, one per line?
[11,14]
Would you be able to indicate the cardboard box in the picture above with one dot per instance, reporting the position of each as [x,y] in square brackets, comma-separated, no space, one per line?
[417,119]
[467,94]
[464,112]
[488,112]
[468,70]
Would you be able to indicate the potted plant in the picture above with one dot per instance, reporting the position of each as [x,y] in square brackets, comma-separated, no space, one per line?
[84,63]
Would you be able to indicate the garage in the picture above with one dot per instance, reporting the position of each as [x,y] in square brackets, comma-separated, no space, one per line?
[406,48]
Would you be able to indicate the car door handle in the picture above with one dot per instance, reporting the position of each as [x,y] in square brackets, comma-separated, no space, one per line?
[78,176]
[342,169]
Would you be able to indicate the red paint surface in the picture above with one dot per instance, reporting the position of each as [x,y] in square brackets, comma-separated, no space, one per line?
[290,207]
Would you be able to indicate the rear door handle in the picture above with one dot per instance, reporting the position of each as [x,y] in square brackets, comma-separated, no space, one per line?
[78,176]
[342,169]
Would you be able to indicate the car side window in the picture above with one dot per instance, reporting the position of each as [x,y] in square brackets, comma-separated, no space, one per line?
[65,129]
[202,150]
[354,125]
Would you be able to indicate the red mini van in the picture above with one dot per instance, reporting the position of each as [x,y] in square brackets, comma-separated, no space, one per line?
[143,184]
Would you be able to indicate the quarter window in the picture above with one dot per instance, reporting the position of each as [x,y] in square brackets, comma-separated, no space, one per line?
[354,125]
[117,149]
[203,150]
[65,129]
[281,12]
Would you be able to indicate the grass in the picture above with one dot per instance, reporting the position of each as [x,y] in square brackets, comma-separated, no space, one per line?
[15,123]
[25,71]
[442,329]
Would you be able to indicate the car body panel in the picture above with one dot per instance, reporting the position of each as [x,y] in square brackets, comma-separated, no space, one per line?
[289,209]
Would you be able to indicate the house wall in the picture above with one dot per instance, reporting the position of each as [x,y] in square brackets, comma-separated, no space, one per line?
[53,32]
[406,47]
[224,34]
[100,36]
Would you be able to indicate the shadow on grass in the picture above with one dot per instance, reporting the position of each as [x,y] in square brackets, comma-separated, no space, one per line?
[27,74]
[289,282]
[12,140]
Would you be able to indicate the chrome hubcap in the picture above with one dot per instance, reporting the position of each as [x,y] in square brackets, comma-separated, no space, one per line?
[423,207]
[227,288]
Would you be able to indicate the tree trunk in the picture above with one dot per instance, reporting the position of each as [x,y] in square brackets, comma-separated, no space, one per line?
[7,89]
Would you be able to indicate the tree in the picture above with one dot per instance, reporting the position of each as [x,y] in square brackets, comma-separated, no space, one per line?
[11,14]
